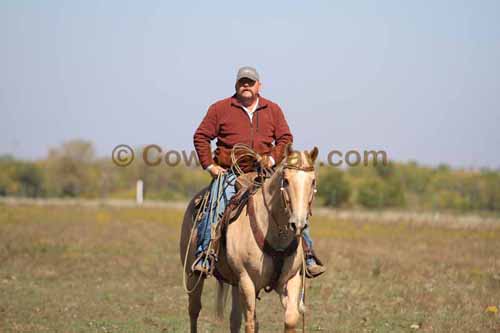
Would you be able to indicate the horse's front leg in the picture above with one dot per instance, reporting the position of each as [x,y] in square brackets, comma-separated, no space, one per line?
[247,301]
[291,302]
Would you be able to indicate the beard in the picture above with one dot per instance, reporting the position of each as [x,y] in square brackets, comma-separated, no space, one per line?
[247,93]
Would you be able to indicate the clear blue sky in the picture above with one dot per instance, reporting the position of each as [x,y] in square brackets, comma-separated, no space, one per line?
[418,79]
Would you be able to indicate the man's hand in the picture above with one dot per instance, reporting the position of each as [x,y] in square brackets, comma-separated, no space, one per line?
[215,170]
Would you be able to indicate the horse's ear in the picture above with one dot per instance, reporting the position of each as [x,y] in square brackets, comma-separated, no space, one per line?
[314,153]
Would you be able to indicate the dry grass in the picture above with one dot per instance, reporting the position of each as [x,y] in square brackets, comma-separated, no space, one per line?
[116,269]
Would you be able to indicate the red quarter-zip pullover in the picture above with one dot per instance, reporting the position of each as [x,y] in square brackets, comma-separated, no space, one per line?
[267,132]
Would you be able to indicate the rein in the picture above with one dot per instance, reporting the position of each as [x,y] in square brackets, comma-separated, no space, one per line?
[261,240]
[278,255]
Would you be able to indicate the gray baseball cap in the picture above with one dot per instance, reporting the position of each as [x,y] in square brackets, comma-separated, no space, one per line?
[247,72]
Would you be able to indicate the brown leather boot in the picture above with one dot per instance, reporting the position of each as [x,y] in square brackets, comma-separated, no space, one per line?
[315,267]
[314,270]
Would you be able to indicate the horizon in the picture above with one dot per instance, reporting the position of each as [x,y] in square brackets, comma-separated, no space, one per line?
[322,159]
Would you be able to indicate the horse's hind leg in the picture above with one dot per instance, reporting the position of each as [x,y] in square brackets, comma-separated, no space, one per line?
[235,310]
[195,300]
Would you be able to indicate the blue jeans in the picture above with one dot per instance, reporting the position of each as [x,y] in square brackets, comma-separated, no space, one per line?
[223,191]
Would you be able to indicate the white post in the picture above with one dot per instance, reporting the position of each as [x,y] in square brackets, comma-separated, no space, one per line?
[139,195]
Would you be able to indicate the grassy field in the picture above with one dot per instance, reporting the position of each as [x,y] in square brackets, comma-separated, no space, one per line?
[111,269]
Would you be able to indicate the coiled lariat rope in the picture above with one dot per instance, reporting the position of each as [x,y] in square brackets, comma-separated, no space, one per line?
[219,182]
[188,246]
[302,302]
[239,152]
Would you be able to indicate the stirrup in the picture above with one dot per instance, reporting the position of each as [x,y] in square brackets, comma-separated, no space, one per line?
[204,263]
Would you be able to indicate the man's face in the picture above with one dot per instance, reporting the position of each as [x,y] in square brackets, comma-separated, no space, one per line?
[247,88]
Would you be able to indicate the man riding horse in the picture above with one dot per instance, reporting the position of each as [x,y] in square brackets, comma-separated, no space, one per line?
[244,118]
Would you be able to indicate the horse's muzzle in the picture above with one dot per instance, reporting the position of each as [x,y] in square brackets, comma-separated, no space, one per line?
[297,228]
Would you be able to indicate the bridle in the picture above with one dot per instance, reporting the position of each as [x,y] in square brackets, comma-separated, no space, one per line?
[283,229]
[284,194]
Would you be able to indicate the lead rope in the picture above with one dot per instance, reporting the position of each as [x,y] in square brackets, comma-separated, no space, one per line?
[303,292]
[200,212]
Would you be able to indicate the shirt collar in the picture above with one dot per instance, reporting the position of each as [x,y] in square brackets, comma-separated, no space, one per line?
[255,107]
[261,102]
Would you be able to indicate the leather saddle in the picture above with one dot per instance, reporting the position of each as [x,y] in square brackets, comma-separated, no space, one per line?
[243,184]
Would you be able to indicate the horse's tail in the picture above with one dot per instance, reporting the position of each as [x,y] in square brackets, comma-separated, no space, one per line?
[221,299]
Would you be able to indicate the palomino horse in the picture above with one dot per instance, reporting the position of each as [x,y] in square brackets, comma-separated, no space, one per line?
[271,224]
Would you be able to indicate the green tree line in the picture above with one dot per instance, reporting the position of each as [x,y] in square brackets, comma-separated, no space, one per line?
[74,170]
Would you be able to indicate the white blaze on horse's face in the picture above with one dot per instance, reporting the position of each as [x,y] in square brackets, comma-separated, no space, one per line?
[299,186]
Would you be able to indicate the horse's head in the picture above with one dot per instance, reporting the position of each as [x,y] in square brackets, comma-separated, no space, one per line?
[298,186]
